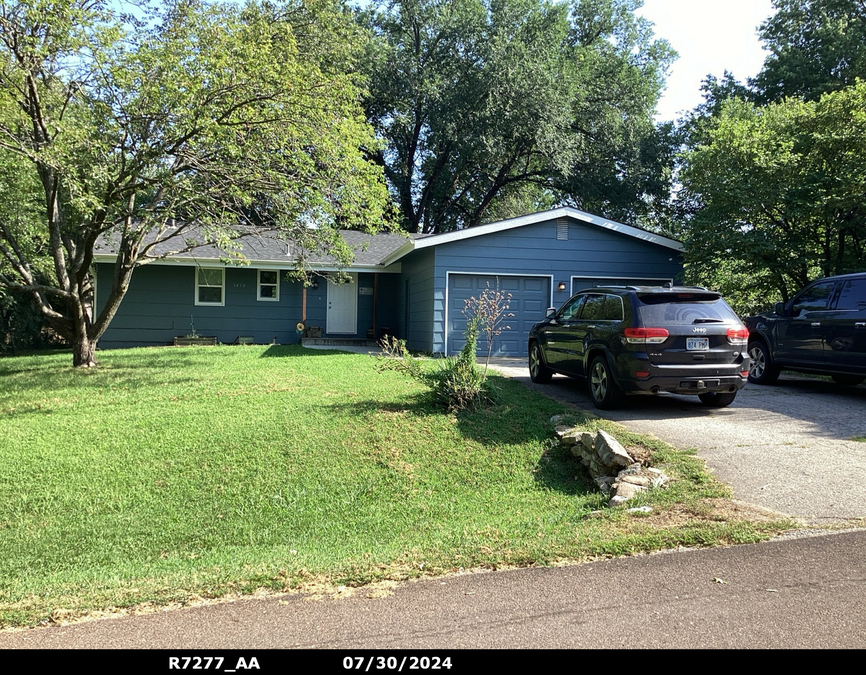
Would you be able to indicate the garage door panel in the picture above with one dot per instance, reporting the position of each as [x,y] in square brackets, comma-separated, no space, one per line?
[530,297]
[510,347]
[509,284]
[462,282]
[534,306]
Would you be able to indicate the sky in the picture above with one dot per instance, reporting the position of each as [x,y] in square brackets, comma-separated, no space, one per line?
[711,36]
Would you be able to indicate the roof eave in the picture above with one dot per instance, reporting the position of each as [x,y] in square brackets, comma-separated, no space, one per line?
[190,261]
[405,249]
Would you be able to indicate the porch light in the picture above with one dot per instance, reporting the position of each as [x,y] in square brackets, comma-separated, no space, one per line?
[561,286]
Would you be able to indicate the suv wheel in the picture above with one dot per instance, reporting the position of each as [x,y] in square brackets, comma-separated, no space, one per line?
[849,380]
[714,400]
[604,392]
[761,368]
[538,372]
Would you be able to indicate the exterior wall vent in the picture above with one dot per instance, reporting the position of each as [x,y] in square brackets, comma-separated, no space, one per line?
[562,229]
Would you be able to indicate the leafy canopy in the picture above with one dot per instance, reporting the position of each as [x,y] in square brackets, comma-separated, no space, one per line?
[778,191]
[194,123]
[816,46]
[491,108]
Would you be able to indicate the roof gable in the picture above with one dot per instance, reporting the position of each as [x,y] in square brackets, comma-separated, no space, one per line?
[531,219]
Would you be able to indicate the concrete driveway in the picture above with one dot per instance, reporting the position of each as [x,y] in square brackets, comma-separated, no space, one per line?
[786,447]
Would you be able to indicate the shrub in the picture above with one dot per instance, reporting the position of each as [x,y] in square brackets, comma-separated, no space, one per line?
[22,326]
[455,382]
[490,311]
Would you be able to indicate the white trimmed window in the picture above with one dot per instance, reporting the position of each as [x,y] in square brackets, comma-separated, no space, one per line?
[269,285]
[210,286]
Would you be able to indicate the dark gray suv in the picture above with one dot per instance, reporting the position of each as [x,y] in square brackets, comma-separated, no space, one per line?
[644,340]
[822,330]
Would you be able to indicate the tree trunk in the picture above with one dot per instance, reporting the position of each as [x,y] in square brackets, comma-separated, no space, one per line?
[83,351]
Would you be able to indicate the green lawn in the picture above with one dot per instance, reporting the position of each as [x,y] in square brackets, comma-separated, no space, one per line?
[168,474]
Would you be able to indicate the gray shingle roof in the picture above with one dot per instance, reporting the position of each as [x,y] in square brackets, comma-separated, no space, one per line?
[270,247]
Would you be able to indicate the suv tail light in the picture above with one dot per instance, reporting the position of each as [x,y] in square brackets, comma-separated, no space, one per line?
[738,336]
[653,336]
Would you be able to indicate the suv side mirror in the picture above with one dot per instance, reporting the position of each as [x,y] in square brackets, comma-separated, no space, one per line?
[779,308]
[551,312]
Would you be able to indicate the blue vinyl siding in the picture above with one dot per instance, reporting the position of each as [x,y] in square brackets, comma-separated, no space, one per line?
[534,249]
[420,283]
[418,304]
[589,251]
[161,301]
[160,304]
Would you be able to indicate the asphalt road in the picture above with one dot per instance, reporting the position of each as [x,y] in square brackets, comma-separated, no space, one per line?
[786,447]
[791,593]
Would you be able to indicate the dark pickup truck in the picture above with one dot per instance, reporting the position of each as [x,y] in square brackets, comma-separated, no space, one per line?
[820,330]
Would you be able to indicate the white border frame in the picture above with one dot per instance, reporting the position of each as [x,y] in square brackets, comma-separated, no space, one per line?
[259,297]
[448,274]
[197,286]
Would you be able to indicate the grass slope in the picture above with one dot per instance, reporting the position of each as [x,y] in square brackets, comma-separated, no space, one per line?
[169,474]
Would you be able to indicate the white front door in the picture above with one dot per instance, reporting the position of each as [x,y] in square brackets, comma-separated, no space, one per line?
[343,307]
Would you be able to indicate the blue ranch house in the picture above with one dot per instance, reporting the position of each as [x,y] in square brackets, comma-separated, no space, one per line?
[413,287]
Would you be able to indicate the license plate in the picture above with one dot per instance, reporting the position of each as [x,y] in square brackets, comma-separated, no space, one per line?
[697,344]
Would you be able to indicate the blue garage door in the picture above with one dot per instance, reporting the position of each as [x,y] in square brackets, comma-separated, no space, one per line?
[530,297]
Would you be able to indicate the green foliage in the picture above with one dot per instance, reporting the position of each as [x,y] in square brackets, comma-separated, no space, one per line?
[195,124]
[773,171]
[777,193]
[395,356]
[816,46]
[491,108]
[456,383]
[22,326]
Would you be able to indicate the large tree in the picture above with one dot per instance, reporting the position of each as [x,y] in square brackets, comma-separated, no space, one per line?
[779,192]
[191,124]
[816,46]
[488,107]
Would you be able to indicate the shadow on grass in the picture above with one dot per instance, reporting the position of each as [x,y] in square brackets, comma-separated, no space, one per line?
[135,372]
[419,405]
[284,351]
[559,471]
[519,417]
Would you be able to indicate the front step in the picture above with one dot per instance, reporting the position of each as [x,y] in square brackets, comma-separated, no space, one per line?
[338,342]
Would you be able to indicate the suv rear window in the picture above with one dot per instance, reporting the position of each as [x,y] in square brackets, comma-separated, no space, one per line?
[660,310]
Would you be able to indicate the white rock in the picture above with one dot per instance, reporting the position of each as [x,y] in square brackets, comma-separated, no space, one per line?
[605,443]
